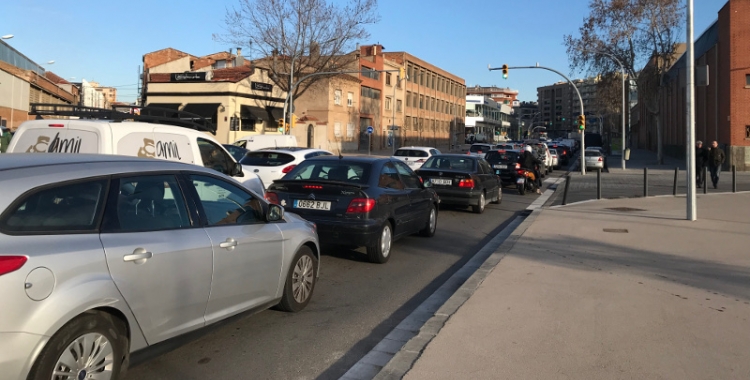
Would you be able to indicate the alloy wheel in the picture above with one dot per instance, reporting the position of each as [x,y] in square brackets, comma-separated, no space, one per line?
[302,279]
[90,356]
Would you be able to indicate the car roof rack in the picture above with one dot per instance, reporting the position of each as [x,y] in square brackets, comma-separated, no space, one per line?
[146,114]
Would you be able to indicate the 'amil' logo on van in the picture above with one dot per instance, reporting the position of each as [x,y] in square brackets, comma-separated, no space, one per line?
[160,149]
[58,145]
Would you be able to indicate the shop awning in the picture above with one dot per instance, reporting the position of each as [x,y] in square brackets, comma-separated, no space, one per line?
[257,113]
[207,110]
[276,112]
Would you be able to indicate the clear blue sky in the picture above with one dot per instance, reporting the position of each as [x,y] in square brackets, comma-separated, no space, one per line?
[105,41]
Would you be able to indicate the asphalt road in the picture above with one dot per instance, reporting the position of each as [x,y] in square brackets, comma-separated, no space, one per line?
[355,304]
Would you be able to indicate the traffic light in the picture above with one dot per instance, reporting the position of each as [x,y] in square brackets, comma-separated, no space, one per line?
[282,125]
[293,121]
[505,71]
[581,122]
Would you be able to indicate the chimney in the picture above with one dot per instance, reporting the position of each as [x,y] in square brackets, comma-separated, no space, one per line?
[239,51]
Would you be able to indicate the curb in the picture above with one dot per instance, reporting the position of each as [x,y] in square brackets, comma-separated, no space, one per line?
[395,355]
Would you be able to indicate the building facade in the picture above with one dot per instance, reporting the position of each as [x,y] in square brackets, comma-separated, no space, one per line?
[435,104]
[559,106]
[721,105]
[486,119]
[23,82]
[500,95]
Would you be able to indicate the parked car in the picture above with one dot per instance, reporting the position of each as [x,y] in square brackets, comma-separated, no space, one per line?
[236,151]
[479,149]
[106,255]
[359,201]
[462,180]
[504,163]
[271,164]
[594,159]
[564,153]
[555,158]
[415,156]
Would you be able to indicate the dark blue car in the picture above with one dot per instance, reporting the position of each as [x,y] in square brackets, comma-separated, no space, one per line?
[358,201]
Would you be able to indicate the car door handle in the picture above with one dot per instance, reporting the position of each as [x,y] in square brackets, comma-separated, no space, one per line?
[139,256]
[229,244]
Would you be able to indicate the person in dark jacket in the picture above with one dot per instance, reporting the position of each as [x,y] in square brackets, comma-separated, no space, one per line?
[716,158]
[529,162]
[701,159]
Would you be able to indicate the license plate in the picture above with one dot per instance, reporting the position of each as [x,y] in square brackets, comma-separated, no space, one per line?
[312,205]
[500,166]
[438,181]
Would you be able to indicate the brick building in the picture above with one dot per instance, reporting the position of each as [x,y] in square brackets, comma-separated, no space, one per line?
[721,108]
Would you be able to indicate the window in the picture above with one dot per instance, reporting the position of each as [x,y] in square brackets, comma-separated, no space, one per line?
[58,209]
[368,72]
[389,178]
[260,158]
[388,103]
[146,203]
[337,129]
[747,80]
[399,106]
[411,180]
[349,99]
[421,101]
[215,157]
[336,170]
[350,130]
[370,93]
[220,64]
[226,204]
[388,79]
[337,97]
[408,99]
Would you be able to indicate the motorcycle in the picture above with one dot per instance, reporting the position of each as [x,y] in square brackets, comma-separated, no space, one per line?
[525,181]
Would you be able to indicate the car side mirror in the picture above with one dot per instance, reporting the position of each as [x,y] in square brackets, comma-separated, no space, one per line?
[236,170]
[275,213]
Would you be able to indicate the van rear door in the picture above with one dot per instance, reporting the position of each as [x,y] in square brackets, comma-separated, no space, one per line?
[54,136]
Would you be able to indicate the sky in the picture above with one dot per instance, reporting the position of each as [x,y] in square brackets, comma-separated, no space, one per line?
[105,41]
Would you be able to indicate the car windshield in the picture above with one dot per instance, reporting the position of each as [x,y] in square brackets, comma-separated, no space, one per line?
[502,156]
[450,163]
[338,170]
[266,159]
[477,148]
[411,153]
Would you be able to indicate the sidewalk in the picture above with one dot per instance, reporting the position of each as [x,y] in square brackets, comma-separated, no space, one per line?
[612,289]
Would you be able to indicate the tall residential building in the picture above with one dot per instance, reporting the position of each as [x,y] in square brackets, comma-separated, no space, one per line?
[560,106]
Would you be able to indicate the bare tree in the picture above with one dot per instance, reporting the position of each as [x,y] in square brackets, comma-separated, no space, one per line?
[640,33]
[316,35]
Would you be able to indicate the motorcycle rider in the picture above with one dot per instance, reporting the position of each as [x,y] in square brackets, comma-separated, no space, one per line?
[529,162]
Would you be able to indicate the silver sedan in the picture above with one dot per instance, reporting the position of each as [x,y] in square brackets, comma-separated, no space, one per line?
[106,255]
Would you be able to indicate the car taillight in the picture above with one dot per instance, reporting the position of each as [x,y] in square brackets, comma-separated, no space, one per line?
[312,187]
[600,159]
[288,169]
[466,183]
[57,125]
[521,171]
[518,166]
[11,263]
[360,205]
[272,198]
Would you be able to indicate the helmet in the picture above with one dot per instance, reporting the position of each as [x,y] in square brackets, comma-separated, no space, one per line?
[527,148]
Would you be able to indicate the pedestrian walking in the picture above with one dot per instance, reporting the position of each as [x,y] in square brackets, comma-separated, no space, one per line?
[701,159]
[716,158]
[4,139]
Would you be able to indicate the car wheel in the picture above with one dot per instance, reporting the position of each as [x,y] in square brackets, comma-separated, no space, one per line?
[92,345]
[300,281]
[499,197]
[431,226]
[480,207]
[381,251]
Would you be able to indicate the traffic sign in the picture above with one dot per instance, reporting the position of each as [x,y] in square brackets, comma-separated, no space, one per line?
[370,130]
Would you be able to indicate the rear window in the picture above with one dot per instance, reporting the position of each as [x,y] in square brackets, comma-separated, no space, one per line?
[592,153]
[477,148]
[506,156]
[339,170]
[450,163]
[411,153]
[266,159]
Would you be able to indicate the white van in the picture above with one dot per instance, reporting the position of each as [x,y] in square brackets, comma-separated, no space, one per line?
[130,138]
[256,142]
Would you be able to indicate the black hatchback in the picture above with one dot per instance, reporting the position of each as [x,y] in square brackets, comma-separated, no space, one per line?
[504,163]
[462,180]
[358,201]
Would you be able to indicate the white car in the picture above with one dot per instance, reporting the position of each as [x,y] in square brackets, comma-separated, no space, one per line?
[415,156]
[555,158]
[481,149]
[272,164]
[594,159]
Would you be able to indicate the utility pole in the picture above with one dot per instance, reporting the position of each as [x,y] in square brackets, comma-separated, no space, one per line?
[690,84]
